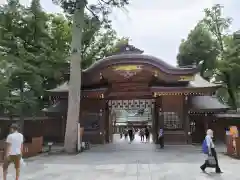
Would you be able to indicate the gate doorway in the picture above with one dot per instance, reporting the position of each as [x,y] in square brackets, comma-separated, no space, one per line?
[125,114]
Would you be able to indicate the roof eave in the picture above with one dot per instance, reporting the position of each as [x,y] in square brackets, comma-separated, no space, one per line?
[207,110]
[84,90]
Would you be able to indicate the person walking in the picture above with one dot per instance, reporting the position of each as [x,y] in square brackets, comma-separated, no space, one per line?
[209,149]
[147,133]
[121,135]
[133,135]
[13,152]
[161,138]
[130,134]
[125,133]
[142,133]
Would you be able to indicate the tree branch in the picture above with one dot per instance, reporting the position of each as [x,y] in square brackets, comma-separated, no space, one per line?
[91,11]
[108,2]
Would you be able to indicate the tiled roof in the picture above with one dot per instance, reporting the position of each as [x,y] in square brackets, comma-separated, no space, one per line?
[127,58]
[58,107]
[64,88]
[61,88]
[199,82]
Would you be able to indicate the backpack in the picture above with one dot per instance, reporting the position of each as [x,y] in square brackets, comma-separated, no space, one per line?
[204,147]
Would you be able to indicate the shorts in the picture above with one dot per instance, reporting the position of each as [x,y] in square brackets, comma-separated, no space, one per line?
[15,159]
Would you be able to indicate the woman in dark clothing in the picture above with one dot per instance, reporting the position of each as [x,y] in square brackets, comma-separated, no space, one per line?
[125,134]
[147,134]
[130,133]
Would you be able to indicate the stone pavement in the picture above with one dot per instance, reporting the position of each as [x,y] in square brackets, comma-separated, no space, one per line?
[121,160]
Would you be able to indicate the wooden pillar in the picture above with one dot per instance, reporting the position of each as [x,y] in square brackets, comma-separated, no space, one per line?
[158,118]
[186,123]
[154,120]
[160,114]
[102,114]
[106,122]
[205,119]
[63,120]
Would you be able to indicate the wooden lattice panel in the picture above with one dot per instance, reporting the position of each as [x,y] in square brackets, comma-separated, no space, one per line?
[171,120]
[131,104]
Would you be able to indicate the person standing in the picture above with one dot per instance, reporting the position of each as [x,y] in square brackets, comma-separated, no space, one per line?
[161,138]
[13,152]
[210,151]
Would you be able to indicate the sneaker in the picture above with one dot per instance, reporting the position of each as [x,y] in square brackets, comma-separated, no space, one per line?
[203,170]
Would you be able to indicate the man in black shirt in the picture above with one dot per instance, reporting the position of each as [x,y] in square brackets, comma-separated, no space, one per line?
[147,134]
[130,133]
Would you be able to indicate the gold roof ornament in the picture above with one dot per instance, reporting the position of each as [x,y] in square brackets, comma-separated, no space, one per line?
[128,71]
[186,78]
[127,68]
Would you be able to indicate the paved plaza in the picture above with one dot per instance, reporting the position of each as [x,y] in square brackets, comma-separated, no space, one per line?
[121,160]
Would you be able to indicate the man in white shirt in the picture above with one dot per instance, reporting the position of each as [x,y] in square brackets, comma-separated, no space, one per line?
[13,152]
[211,151]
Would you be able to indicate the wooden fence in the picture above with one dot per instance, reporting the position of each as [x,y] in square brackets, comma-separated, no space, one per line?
[29,149]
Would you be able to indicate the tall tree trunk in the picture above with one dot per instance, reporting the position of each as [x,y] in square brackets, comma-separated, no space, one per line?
[21,115]
[10,109]
[230,90]
[74,96]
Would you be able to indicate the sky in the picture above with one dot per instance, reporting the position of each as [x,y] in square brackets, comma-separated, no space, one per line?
[158,27]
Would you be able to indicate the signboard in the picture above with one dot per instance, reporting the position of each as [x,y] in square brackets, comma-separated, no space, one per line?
[234,131]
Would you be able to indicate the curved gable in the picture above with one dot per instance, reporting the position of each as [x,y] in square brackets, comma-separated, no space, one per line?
[139,59]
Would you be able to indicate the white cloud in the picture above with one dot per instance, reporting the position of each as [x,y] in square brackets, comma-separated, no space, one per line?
[159,26]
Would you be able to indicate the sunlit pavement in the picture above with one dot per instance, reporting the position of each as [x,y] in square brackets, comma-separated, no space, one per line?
[121,160]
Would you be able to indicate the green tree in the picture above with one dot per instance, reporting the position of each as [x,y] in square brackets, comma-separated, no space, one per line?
[199,47]
[17,70]
[231,64]
[218,26]
[77,8]
[35,47]
[103,44]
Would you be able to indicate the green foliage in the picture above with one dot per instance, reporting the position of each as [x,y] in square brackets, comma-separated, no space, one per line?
[100,10]
[218,25]
[219,51]
[199,47]
[34,50]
